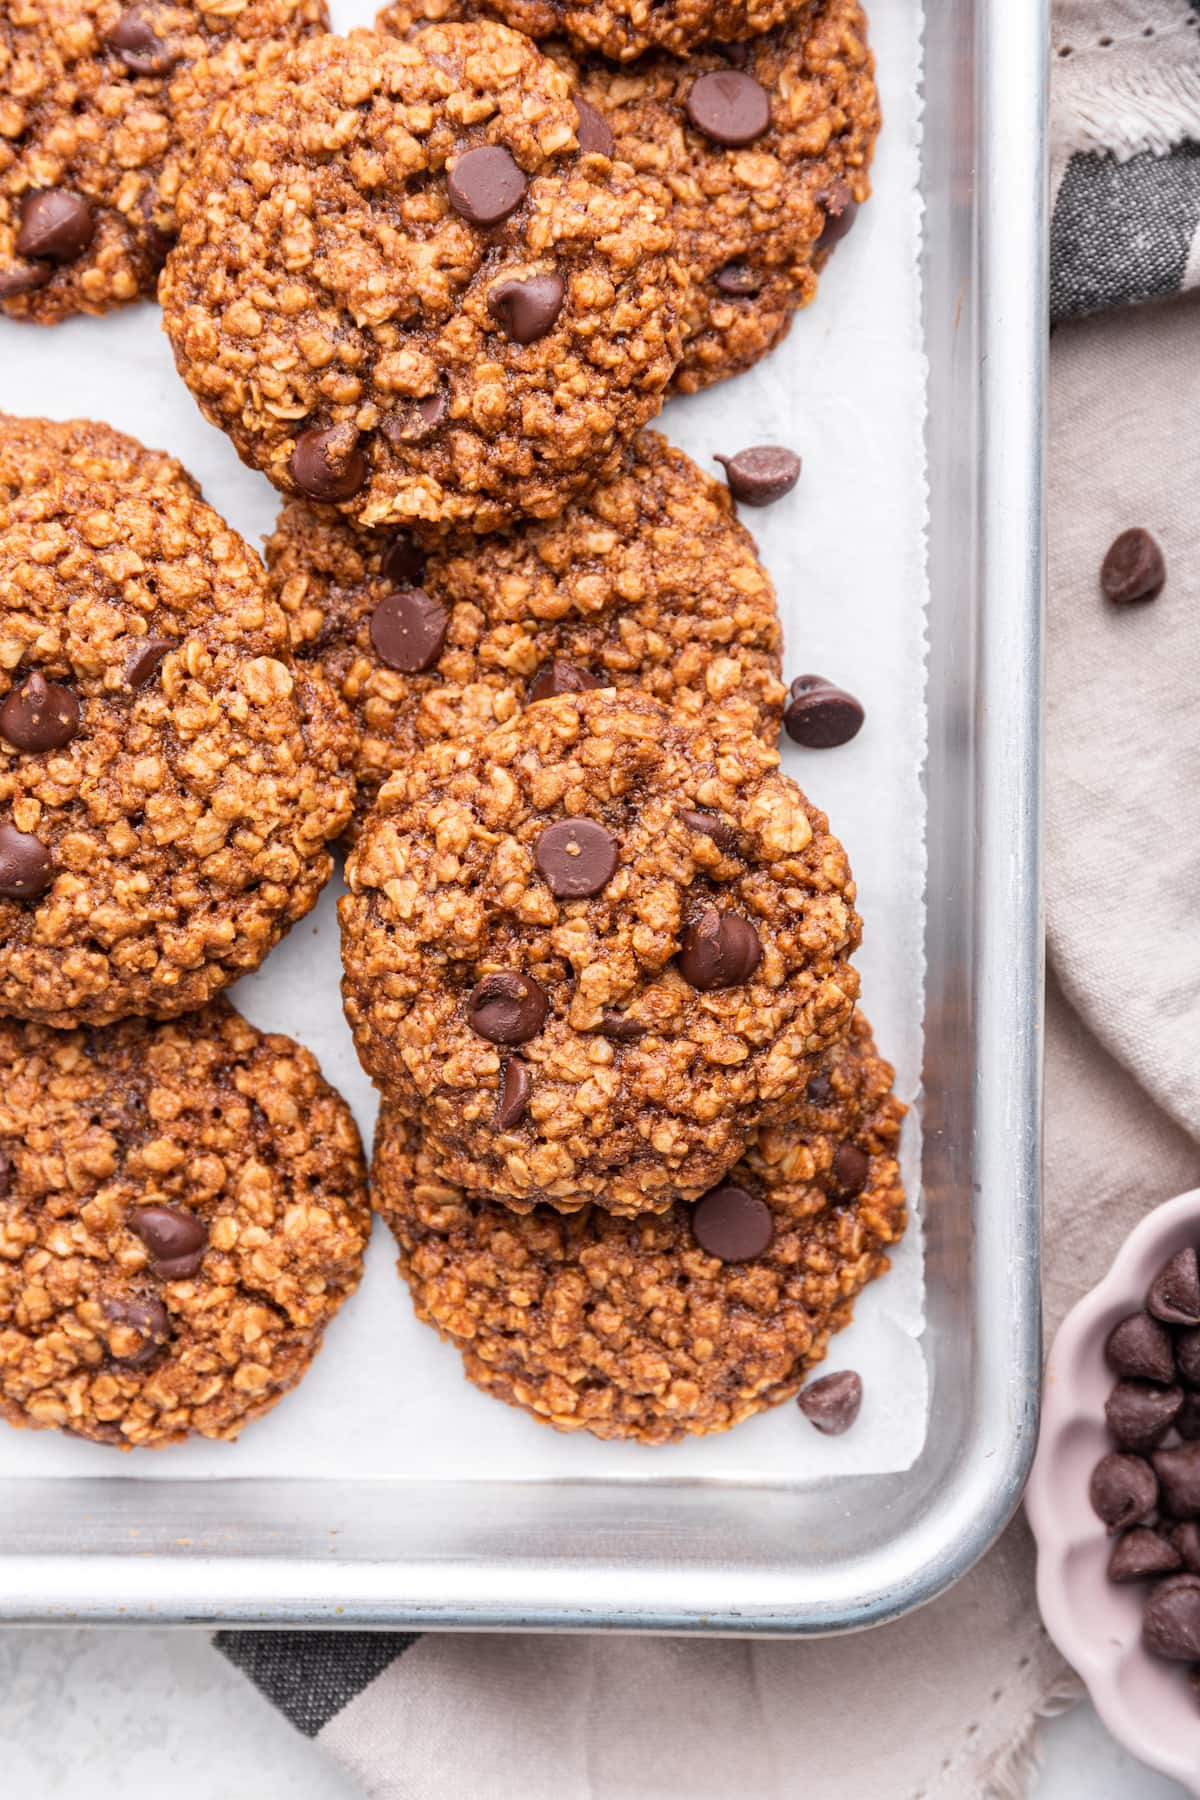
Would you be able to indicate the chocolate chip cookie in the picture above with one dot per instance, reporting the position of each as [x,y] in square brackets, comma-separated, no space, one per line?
[101,106]
[594,950]
[169,779]
[402,288]
[621,29]
[182,1211]
[648,581]
[682,1323]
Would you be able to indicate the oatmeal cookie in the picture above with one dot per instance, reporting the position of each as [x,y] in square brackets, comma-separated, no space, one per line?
[182,1211]
[685,1322]
[101,106]
[169,780]
[594,950]
[401,287]
[621,29]
[649,581]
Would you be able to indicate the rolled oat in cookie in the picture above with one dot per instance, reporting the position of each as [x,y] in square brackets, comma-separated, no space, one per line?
[634,1328]
[649,581]
[401,287]
[621,29]
[596,949]
[102,104]
[183,1209]
[169,779]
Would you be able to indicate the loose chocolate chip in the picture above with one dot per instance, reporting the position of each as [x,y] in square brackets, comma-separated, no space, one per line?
[326,463]
[621,1029]
[729,107]
[593,131]
[506,1008]
[560,677]
[719,950]
[1174,1295]
[26,869]
[711,825]
[419,421]
[823,718]
[1140,1414]
[1186,1539]
[139,45]
[850,1169]
[832,1404]
[24,281]
[576,858]
[39,715]
[840,209]
[148,1317]
[408,630]
[819,1091]
[1178,1472]
[516,1084]
[485,185]
[737,279]
[175,1238]
[1133,569]
[733,1224]
[143,662]
[56,225]
[1123,1490]
[1140,1554]
[1140,1347]
[1171,1620]
[761,475]
[403,562]
[1187,1419]
[526,310]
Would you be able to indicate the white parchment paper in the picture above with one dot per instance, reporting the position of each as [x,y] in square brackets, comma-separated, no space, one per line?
[386,1398]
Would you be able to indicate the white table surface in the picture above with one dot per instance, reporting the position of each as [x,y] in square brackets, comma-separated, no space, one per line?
[115,1715]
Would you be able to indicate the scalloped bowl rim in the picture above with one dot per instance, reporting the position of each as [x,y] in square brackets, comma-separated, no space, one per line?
[1094,1658]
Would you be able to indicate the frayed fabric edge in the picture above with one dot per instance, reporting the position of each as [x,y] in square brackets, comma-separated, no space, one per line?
[1128,117]
[1015,1768]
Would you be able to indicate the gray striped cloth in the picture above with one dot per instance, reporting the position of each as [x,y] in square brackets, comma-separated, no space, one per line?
[1125,223]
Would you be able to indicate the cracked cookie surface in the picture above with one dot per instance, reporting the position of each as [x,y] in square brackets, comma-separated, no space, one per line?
[169,779]
[629,1328]
[593,950]
[401,288]
[648,581]
[183,1209]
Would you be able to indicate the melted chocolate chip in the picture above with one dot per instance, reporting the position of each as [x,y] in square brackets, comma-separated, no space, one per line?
[56,226]
[1174,1295]
[1134,568]
[39,715]
[26,868]
[526,310]
[175,1238]
[143,663]
[733,1224]
[560,677]
[1123,1490]
[403,562]
[850,1170]
[620,1029]
[516,1085]
[326,463]
[148,1317]
[819,1091]
[486,185]
[840,209]
[711,825]
[139,45]
[408,630]
[729,107]
[576,858]
[24,281]
[419,421]
[719,950]
[506,1008]
[593,130]
[761,475]
[738,280]
[832,1404]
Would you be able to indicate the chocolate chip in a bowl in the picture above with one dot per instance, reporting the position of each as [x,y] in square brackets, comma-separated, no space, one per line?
[1123,1490]
[1187,1354]
[1174,1294]
[1171,1620]
[1186,1539]
[1140,1413]
[1178,1472]
[1140,1347]
[1142,1553]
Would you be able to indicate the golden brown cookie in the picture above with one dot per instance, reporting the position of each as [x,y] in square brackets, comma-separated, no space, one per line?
[649,581]
[621,29]
[182,1211]
[169,779]
[633,1328]
[401,288]
[101,106]
[594,950]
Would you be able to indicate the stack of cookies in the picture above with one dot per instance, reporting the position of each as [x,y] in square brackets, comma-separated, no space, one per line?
[637,1146]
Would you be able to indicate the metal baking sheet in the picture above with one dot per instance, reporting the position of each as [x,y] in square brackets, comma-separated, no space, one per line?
[391,1520]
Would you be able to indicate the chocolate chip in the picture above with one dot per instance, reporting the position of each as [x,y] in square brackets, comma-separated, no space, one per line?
[1178,1472]
[733,1224]
[729,107]
[506,1008]
[1187,1354]
[175,1238]
[1123,1490]
[56,225]
[39,715]
[142,664]
[822,718]
[1174,1295]
[850,1170]
[761,475]
[621,1029]
[408,630]
[1140,1348]
[711,825]
[139,45]
[1187,1419]
[840,209]
[1140,1414]
[26,869]
[526,310]
[516,1084]
[819,1091]
[1171,1620]
[485,185]
[560,677]
[403,562]
[326,463]
[593,131]
[576,858]
[24,281]
[419,421]
[832,1404]
[1140,1554]
[148,1317]
[1186,1539]
[719,950]
[5,1176]
[737,279]
[1133,569]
